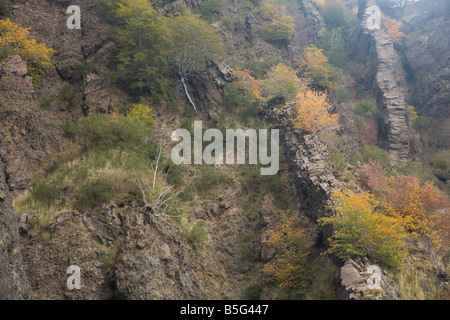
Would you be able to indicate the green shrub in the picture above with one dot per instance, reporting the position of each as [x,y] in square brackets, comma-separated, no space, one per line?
[375,153]
[209,179]
[94,193]
[69,98]
[260,67]
[211,10]
[336,48]
[248,112]
[441,164]
[45,193]
[5,7]
[343,95]
[101,132]
[335,14]
[362,107]
[252,291]
[35,73]
[246,249]
[196,236]
[338,77]
[234,98]
[322,273]
[6,52]
[423,124]
[411,168]
[228,23]
[337,162]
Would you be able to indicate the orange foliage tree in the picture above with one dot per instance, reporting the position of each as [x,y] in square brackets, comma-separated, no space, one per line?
[361,231]
[312,112]
[393,27]
[17,38]
[377,180]
[292,241]
[246,82]
[416,204]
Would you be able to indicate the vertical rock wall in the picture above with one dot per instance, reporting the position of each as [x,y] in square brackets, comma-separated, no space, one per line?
[390,97]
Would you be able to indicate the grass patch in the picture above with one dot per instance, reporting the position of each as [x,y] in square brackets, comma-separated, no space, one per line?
[208,179]
[361,108]
[252,291]
[196,236]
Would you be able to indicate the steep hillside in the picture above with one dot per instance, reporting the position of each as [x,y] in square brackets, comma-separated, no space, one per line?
[87,178]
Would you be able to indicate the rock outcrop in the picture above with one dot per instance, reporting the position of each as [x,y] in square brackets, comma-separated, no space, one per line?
[359,279]
[13,282]
[312,15]
[306,155]
[428,58]
[390,97]
[29,133]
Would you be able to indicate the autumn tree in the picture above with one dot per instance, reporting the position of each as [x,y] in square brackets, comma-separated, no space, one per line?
[282,81]
[377,180]
[277,23]
[314,66]
[246,82]
[17,39]
[393,27]
[416,204]
[142,46]
[142,113]
[312,113]
[292,242]
[194,41]
[412,115]
[359,230]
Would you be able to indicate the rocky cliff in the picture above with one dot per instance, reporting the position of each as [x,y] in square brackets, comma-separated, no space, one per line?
[122,252]
[390,97]
[427,55]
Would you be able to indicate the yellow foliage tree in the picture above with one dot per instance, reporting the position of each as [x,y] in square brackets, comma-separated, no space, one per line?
[314,66]
[142,113]
[248,83]
[312,112]
[292,242]
[282,81]
[413,116]
[361,231]
[277,23]
[17,38]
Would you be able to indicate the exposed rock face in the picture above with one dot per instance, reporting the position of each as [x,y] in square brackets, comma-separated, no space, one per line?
[390,97]
[21,146]
[314,18]
[28,133]
[47,260]
[362,280]
[426,49]
[13,282]
[306,155]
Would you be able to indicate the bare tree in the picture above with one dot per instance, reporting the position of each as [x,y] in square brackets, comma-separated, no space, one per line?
[156,195]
